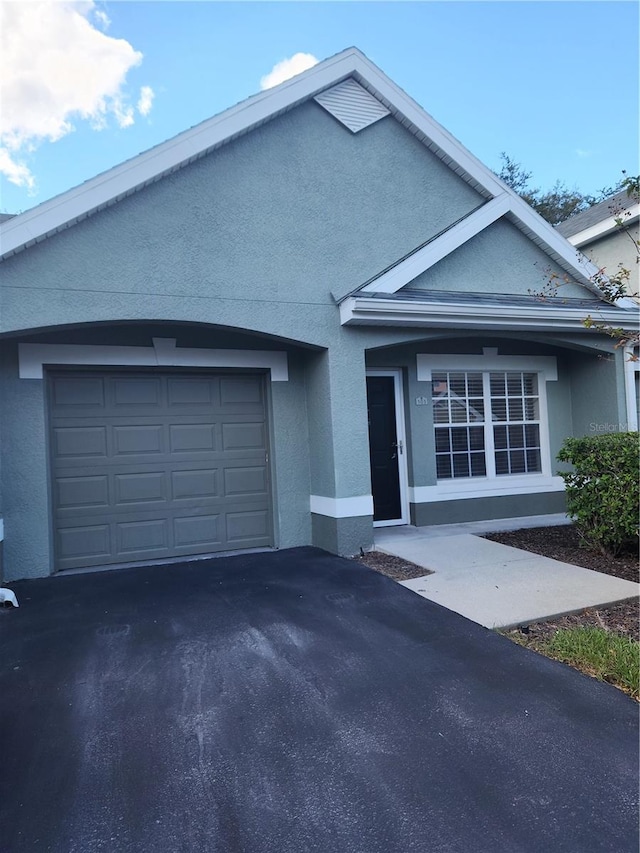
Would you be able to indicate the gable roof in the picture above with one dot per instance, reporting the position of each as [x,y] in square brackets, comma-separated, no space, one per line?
[129,177]
[599,219]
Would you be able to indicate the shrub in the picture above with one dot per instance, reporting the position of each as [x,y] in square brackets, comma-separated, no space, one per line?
[602,490]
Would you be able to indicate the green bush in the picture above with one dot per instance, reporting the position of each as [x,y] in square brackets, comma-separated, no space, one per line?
[602,490]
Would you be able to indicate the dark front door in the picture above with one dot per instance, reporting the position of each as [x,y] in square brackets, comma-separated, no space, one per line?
[383,448]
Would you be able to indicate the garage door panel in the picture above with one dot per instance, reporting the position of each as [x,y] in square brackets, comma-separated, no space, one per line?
[157,466]
[196,391]
[246,480]
[246,390]
[197,531]
[247,526]
[135,391]
[140,488]
[79,392]
[187,438]
[138,439]
[87,543]
[243,436]
[140,537]
[195,484]
[82,492]
[80,442]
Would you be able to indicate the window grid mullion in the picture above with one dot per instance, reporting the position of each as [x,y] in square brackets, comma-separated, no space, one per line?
[489,444]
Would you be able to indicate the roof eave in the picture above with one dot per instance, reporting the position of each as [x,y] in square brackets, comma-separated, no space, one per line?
[359,311]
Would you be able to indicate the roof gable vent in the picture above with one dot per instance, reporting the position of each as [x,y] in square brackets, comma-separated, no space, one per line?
[352,105]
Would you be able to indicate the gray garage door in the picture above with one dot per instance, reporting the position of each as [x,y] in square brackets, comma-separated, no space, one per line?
[148,466]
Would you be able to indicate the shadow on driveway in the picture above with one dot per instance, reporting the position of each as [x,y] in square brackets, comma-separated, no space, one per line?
[295,702]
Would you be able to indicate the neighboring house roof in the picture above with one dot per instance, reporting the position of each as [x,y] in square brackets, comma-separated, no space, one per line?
[335,74]
[600,219]
[5,216]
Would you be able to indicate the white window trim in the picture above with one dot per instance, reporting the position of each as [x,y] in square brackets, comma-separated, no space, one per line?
[505,484]
[489,360]
[452,490]
[163,353]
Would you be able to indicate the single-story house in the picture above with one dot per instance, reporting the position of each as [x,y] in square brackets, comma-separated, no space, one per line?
[305,317]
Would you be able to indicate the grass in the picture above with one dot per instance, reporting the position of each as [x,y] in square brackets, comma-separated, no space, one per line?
[605,656]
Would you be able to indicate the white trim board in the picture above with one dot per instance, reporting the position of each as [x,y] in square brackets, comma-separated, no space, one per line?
[163,353]
[63,211]
[630,369]
[481,488]
[366,310]
[341,507]
[489,360]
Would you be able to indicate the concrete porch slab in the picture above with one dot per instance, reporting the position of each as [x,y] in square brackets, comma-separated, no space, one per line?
[499,586]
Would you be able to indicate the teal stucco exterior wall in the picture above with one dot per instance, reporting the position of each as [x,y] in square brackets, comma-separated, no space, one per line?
[243,249]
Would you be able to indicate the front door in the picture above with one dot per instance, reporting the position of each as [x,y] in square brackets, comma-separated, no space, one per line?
[386,448]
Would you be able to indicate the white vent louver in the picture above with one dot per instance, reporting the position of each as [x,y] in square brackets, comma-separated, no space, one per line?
[352,105]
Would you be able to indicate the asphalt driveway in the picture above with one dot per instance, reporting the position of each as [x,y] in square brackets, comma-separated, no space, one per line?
[293,702]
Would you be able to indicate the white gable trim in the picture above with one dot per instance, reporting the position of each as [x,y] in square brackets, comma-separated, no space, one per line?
[163,353]
[420,261]
[105,189]
[394,279]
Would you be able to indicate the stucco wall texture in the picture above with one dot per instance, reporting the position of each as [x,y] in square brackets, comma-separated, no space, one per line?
[243,249]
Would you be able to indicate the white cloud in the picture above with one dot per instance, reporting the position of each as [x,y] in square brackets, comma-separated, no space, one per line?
[582,153]
[103,19]
[15,172]
[56,67]
[288,68]
[145,101]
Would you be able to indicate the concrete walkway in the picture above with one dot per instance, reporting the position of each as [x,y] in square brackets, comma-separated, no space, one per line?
[496,585]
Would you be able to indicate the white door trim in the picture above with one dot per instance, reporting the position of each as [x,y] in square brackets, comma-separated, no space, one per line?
[396,374]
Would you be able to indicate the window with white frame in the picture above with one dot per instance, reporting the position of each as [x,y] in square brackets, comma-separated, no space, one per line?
[487,423]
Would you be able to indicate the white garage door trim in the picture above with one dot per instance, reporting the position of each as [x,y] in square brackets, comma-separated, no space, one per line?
[163,353]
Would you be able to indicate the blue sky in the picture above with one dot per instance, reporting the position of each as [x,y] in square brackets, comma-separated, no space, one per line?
[554,84]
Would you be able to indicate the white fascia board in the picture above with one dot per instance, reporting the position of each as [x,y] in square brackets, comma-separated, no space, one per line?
[422,260]
[356,311]
[606,226]
[163,353]
[341,507]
